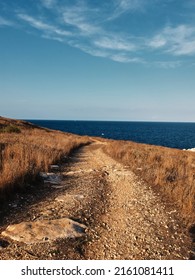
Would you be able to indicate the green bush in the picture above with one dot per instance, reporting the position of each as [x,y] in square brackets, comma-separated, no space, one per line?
[10,129]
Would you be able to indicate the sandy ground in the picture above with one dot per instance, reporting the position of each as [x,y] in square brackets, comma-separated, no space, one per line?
[112,215]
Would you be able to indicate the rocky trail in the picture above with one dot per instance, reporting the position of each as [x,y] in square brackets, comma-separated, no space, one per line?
[91,207]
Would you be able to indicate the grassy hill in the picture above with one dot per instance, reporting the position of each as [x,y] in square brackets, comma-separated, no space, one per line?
[26,149]
[169,171]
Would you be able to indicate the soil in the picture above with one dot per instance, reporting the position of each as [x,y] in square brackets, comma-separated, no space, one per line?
[121,216]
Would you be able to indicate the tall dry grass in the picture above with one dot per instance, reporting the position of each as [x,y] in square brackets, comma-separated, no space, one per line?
[170,171]
[23,155]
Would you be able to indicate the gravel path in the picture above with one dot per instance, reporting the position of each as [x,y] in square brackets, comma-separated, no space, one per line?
[121,216]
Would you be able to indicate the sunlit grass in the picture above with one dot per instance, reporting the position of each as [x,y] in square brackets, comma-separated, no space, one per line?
[170,171]
[23,155]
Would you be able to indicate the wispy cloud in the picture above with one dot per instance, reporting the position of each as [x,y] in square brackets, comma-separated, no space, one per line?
[40,25]
[79,17]
[179,40]
[5,22]
[93,29]
[124,58]
[129,5]
[48,3]
[90,50]
[158,41]
[86,23]
[125,6]
[114,43]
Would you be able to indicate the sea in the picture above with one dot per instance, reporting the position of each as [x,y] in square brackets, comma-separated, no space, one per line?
[169,134]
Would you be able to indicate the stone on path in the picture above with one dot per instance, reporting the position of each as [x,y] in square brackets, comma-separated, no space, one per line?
[44,230]
[67,197]
[54,167]
[51,178]
[57,187]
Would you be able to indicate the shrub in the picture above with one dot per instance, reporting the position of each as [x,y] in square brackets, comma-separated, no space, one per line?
[10,129]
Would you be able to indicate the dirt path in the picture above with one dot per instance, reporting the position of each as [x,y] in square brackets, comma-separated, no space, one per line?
[116,215]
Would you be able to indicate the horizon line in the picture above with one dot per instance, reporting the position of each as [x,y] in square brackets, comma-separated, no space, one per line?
[83,120]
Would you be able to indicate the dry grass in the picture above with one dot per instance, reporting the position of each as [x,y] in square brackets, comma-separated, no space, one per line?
[170,171]
[23,155]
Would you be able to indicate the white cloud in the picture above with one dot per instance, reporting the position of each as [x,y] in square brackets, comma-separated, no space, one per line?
[178,40]
[124,6]
[53,37]
[114,43]
[115,56]
[130,4]
[35,22]
[83,25]
[186,48]
[48,3]
[125,58]
[95,40]
[87,37]
[79,17]
[90,50]
[157,42]
[40,25]
[5,22]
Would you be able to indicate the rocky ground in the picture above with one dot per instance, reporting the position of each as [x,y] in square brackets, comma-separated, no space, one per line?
[91,208]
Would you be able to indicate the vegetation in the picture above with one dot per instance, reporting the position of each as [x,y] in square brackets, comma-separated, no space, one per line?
[23,155]
[10,129]
[170,171]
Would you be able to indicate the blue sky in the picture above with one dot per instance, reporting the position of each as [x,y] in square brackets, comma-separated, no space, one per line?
[98,60]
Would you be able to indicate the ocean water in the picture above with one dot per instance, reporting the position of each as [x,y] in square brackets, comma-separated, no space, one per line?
[168,134]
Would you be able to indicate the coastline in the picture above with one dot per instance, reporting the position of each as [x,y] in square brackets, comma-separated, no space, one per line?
[169,172]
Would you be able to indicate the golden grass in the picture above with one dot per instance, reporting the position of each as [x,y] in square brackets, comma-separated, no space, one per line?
[23,155]
[170,171]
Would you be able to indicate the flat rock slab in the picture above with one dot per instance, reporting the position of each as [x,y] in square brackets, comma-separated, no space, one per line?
[44,230]
[67,198]
[51,178]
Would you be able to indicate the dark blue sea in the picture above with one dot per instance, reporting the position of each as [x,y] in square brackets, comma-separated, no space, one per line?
[169,134]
